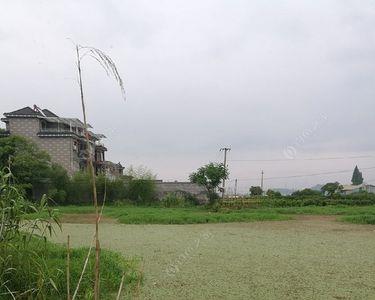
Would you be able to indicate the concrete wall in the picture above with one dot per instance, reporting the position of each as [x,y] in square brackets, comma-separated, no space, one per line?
[163,188]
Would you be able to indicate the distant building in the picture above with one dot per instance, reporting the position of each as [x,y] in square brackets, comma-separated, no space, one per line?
[352,189]
[62,138]
[196,190]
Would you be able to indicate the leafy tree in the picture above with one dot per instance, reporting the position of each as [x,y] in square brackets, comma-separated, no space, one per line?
[273,194]
[357,177]
[331,188]
[31,166]
[306,193]
[141,191]
[210,176]
[256,191]
[139,172]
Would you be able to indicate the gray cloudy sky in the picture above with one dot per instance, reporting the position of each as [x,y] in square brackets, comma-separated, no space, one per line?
[259,76]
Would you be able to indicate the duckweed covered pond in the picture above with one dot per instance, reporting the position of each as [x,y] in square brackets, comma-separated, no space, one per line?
[307,258]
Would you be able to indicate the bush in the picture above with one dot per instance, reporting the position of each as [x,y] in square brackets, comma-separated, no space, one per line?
[115,189]
[141,191]
[306,193]
[79,189]
[15,240]
[360,199]
[172,200]
[178,199]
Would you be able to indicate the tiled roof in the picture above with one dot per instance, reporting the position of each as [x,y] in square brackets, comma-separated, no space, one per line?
[49,113]
[26,111]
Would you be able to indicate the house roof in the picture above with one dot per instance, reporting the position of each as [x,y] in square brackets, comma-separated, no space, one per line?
[49,113]
[68,121]
[26,111]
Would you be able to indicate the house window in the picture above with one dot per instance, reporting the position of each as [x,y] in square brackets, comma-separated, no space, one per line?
[75,146]
[43,125]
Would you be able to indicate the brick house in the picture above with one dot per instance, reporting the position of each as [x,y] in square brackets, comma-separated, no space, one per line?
[62,138]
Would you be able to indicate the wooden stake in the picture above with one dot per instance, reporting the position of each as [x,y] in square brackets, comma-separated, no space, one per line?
[68,269]
[120,288]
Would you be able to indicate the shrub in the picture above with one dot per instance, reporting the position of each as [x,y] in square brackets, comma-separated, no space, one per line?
[79,189]
[306,193]
[115,189]
[273,194]
[16,257]
[141,191]
[172,200]
[178,199]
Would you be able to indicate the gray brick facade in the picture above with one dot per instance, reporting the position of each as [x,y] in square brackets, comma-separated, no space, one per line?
[62,138]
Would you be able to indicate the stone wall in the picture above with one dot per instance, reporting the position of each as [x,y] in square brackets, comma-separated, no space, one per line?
[163,188]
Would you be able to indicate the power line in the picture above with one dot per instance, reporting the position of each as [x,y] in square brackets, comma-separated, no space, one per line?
[303,159]
[305,175]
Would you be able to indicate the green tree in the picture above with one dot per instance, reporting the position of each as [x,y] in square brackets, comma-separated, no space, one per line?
[210,176]
[139,172]
[141,191]
[32,167]
[256,191]
[306,193]
[357,177]
[29,165]
[273,194]
[331,188]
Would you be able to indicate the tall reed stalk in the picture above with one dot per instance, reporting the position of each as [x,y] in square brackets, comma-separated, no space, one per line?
[109,66]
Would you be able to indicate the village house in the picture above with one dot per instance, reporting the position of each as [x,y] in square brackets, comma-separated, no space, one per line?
[349,189]
[62,138]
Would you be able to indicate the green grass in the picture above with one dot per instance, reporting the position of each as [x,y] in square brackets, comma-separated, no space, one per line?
[324,210]
[359,219]
[159,215]
[50,275]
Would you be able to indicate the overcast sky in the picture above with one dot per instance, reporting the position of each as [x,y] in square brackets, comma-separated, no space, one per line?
[271,79]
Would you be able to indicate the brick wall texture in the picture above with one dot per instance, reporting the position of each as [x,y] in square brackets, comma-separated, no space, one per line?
[59,148]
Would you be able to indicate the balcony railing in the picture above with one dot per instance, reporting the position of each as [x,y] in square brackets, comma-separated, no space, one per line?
[60,130]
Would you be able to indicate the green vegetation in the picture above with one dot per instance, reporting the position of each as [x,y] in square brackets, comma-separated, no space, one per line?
[36,175]
[315,259]
[306,193]
[357,177]
[332,188]
[160,215]
[31,267]
[273,194]
[40,269]
[210,176]
[359,219]
[32,167]
[256,191]
[178,215]
[178,199]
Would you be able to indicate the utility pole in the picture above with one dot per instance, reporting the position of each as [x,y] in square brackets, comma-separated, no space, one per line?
[235,188]
[261,181]
[225,149]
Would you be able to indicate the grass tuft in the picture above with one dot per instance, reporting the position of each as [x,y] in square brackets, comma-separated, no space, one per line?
[359,219]
[53,259]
